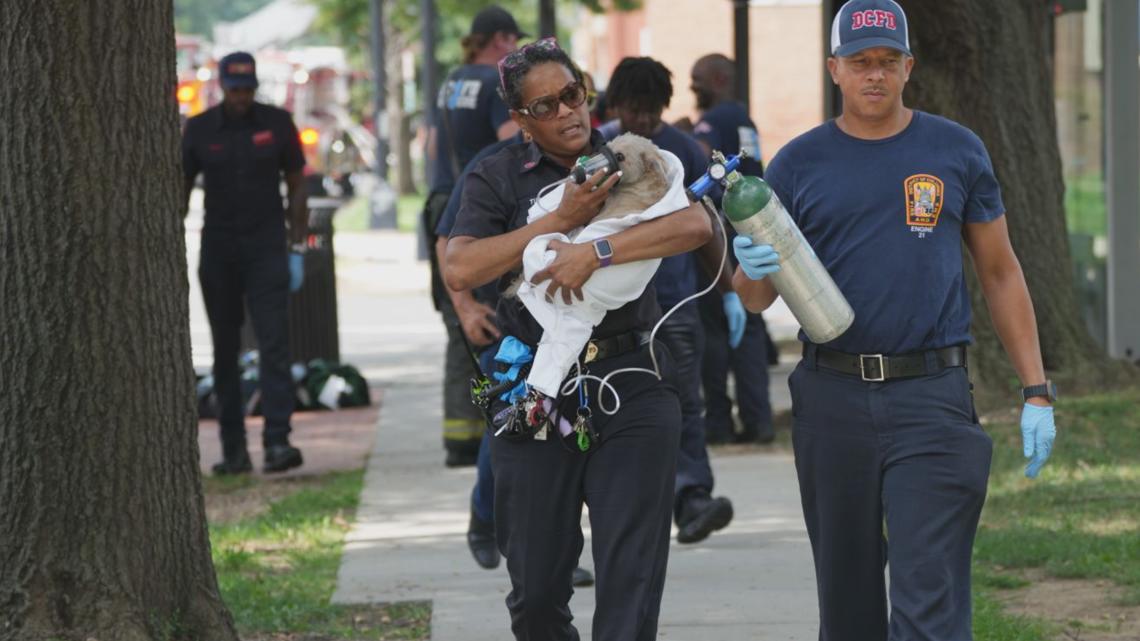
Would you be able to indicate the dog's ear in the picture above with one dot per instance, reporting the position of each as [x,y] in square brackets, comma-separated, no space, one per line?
[656,173]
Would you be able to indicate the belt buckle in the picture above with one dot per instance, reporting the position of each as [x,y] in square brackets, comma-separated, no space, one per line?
[875,360]
[591,352]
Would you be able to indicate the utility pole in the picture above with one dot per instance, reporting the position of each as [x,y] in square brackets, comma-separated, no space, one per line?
[382,215]
[430,66]
[381,93]
[740,51]
[546,24]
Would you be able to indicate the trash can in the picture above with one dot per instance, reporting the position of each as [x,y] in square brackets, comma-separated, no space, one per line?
[312,309]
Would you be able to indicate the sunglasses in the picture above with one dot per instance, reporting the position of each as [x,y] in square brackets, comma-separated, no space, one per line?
[546,107]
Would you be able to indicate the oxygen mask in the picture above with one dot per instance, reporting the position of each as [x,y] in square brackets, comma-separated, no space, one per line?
[605,160]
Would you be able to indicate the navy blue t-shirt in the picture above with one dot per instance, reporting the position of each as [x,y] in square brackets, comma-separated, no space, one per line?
[676,279]
[728,129]
[488,293]
[474,111]
[885,217]
[241,162]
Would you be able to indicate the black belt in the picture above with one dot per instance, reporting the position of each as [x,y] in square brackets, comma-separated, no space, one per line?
[879,367]
[602,348]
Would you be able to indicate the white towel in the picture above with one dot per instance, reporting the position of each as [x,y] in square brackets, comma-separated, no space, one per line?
[567,328]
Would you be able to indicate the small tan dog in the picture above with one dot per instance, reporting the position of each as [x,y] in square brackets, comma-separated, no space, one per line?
[644,178]
[644,181]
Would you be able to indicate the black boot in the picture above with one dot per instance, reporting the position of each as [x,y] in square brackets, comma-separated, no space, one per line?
[582,578]
[232,465]
[279,458]
[481,541]
[699,515]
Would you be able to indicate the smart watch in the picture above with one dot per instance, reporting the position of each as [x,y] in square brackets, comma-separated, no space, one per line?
[1045,390]
[604,251]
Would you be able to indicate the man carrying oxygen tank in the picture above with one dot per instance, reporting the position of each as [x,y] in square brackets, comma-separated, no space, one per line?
[885,434]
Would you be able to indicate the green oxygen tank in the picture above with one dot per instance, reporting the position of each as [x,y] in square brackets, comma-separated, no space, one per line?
[806,287]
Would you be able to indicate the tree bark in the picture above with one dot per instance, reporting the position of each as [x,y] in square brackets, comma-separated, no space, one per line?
[102,523]
[398,118]
[988,68]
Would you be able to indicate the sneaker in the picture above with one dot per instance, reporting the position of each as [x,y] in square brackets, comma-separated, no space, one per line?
[279,458]
[233,466]
[700,515]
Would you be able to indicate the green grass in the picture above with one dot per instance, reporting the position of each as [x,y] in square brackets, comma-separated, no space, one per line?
[408,210]
[1079,520]
[278,571]
[355,215]
[992,624]
[1085,211]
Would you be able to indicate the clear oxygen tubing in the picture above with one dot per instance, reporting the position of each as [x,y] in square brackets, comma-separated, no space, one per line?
[571,385]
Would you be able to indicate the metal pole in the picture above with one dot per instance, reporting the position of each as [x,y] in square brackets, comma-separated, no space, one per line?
[430,66]
[741,50]
[381,78]
[546,24]
[1122,138]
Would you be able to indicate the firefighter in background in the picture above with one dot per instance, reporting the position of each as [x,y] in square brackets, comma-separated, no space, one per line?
[242,148]
[470,116]
[724,125]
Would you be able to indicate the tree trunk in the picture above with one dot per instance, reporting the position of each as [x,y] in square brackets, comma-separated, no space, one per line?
[102,523]
[398,119]
[988,69]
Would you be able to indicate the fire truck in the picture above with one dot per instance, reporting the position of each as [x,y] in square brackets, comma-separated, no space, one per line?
[198,88]
[310,82]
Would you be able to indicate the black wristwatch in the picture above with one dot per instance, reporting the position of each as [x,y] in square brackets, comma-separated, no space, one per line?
[1045,390]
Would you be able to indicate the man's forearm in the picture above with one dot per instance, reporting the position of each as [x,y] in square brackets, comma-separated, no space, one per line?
[298,214]
[1015,322]
[714,260]
[757,295]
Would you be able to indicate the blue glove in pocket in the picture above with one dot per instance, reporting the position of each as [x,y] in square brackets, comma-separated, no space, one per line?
[296,271]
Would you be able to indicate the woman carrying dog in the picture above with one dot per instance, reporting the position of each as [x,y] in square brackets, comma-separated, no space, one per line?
[626,473]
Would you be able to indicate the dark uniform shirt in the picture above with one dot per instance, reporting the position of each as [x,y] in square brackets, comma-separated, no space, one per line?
[496,197]
[241,162]
[474,112]
[885,218]
[727,128]
[488,293]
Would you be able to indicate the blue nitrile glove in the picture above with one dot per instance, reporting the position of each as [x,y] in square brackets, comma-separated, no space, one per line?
[737,318]
[1037,434]
[757,261]
[296,271]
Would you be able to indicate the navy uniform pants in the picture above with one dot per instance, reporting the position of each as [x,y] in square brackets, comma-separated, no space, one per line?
[627,482]
[236,272]
[907,454]
[749,366]
[683,334]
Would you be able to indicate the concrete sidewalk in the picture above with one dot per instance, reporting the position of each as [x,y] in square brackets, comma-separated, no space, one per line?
[753,580]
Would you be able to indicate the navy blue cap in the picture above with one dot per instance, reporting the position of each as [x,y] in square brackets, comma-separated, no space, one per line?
[862,24]
[494,19]
[237,70]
